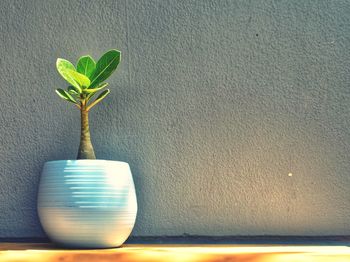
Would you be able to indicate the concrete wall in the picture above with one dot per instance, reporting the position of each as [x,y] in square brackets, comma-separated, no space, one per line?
[213,105]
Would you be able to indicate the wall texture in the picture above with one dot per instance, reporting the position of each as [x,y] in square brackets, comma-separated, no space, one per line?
[213,105]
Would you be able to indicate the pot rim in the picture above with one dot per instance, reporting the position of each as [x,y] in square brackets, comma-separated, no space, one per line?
[83,160]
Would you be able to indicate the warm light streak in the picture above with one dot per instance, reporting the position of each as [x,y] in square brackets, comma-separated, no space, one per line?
[189,253]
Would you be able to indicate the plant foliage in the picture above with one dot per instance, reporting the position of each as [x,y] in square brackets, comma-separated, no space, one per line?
[87,79]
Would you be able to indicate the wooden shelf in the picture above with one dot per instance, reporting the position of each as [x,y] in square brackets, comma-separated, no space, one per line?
[45,252]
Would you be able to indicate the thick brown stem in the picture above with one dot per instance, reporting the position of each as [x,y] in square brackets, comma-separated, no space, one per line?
[86,150]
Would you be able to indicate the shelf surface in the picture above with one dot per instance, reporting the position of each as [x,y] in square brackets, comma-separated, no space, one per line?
[44,252]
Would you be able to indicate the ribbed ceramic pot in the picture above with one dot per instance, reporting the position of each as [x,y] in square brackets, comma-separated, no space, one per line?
[87,203]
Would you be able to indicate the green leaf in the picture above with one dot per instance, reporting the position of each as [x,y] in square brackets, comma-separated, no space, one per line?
[99,98]
[63,64]
[81,79]
[62,67]
[89,96]
[72,90]
[105,66]
[98,88]
[92,91]
[65,95]
[86,65]
[102,95]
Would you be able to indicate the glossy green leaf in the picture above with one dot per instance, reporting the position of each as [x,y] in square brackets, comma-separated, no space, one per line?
[81,79]
[105,66]
[72,90]
[93,91]
[86,65]
[98,88]
[99,98]
[62,67]
[65,95]
[89,96]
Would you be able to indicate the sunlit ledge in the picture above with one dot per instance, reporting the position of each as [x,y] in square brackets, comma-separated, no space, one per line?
[11,252]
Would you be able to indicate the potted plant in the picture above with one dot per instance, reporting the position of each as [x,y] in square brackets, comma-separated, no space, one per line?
[86,202]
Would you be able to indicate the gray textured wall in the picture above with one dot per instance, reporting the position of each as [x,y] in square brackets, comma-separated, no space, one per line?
[214,103]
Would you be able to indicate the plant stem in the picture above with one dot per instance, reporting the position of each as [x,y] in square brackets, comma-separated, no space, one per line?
[86,150]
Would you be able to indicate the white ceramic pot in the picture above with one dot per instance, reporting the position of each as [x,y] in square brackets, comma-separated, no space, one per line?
[87,203]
